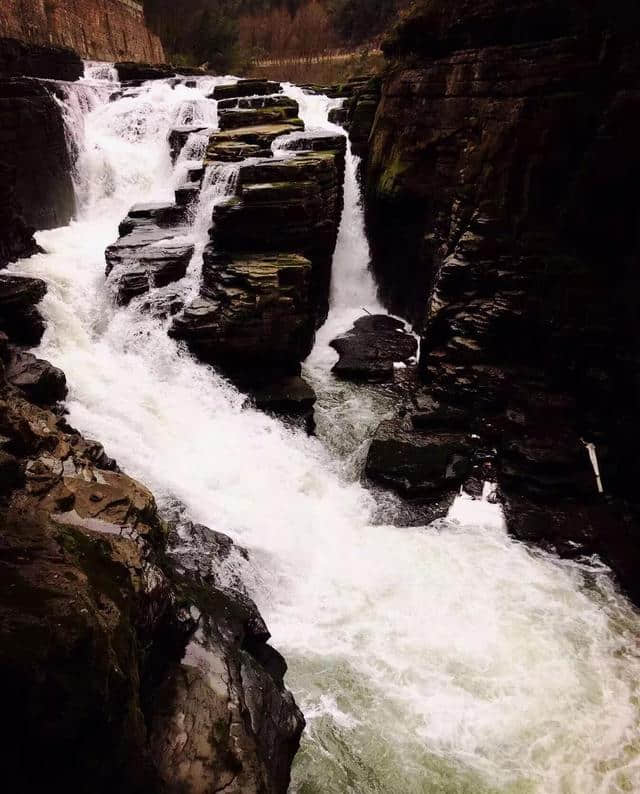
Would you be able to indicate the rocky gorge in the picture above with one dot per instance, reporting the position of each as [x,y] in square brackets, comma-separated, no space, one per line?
[210,315]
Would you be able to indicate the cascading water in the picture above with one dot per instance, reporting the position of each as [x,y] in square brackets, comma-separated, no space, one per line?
[441,658]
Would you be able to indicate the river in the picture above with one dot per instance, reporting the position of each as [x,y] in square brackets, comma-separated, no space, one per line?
[440,658]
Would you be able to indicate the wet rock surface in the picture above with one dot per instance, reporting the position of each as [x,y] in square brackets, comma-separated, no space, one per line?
[152,250]
[497,195]
[118,635]
[253,315]
[16,236]
[38,379]
[36,162]
[129,71]
[290,205]
[369,350]
[19,59]
[246,88]
[266,271]
[19,317]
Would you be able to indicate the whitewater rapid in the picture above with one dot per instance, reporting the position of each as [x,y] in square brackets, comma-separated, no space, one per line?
[443,658]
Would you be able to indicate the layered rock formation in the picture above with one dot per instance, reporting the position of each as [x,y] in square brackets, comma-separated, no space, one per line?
[503,218]
[151,251]
[103,30]
[266,271]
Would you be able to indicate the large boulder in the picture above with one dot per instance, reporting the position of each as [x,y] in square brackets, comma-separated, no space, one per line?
[128,71]
[38,379]
[19,317]
[369,350]
[418,463]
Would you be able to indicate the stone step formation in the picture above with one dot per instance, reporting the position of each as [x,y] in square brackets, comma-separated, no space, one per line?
[266,269]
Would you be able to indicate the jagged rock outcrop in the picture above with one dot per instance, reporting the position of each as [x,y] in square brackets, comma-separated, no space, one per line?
[266,272]
[358,113]
[119,636]
[253,317]
[503,218]
[35,155]
[18,59]
[151,250]
[19,317]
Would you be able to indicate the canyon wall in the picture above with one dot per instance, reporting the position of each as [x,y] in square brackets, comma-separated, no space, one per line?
[104,30]
[503,214]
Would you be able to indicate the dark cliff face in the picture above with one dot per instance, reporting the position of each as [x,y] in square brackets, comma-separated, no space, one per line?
[35,147]
[503,215]
[36,191]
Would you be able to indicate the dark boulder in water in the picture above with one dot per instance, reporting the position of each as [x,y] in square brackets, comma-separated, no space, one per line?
[129,71]
[245,88]
[369,350]
[418,464]
[19,317]
[38,379]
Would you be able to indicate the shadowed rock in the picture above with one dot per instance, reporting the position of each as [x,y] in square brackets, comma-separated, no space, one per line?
[253,317]
[38,379]
[244,88]
[369,350]
[237,119]
[19,318]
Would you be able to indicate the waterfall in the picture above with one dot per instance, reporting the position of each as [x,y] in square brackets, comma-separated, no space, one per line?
[442,658]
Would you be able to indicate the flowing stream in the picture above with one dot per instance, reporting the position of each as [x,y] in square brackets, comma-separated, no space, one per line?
[440,658]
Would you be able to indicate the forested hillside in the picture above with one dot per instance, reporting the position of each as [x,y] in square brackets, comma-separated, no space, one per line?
[229,33]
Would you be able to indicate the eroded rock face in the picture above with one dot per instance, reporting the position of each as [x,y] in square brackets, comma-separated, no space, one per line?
[240,118]
[253,317]
[16,237]
[151,251]
[38,379]
[290,205]
[499,193]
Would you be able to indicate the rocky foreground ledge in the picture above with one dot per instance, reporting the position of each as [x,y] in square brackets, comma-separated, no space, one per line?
[128,663]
